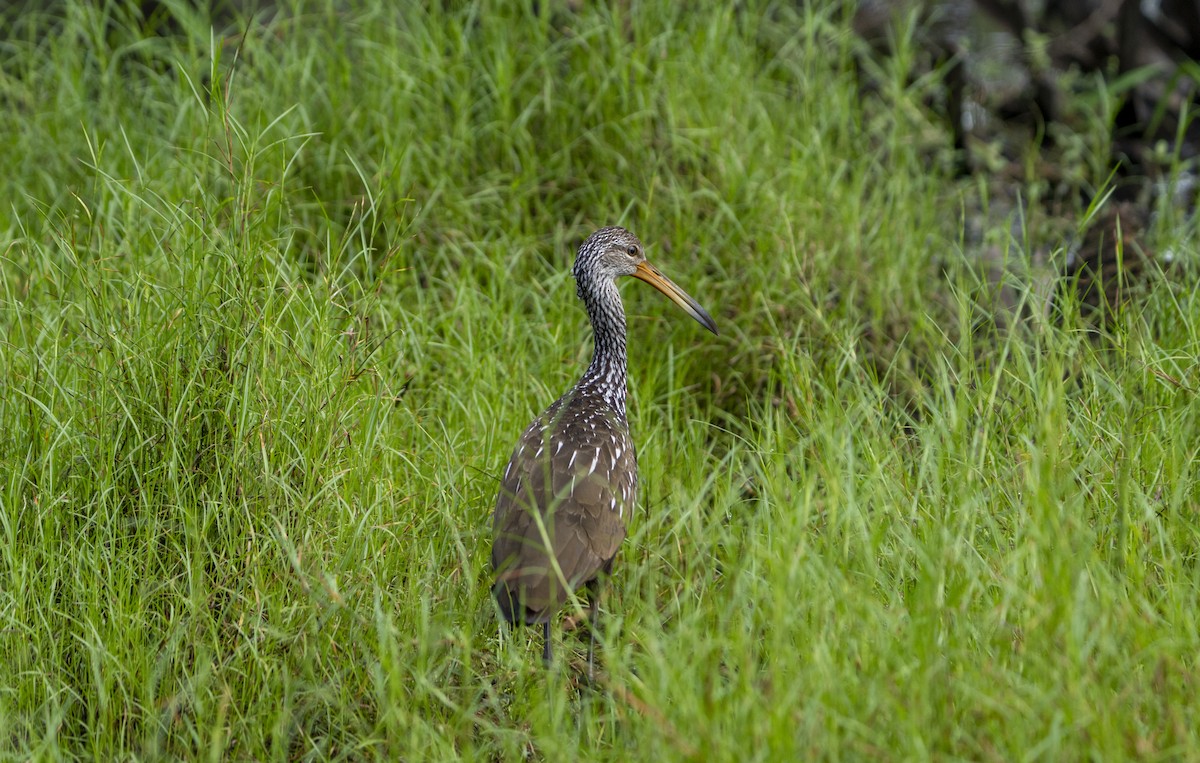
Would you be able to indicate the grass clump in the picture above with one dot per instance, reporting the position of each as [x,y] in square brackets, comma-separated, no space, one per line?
[277,302]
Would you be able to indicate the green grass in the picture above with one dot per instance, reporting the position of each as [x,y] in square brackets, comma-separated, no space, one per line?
[277,304]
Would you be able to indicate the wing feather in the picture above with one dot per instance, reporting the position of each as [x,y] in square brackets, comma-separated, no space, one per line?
[576,495]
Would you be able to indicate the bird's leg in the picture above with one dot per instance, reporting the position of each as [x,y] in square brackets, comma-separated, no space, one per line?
[593,625]
[592,651]
[546,648]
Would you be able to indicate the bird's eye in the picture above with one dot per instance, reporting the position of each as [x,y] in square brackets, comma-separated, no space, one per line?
[632,251]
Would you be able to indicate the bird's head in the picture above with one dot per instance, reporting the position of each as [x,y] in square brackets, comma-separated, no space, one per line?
[612,252]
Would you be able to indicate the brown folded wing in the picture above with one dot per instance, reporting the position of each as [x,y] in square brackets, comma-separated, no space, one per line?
[565,496]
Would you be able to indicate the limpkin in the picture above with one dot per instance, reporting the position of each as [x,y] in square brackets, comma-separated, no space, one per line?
[571,483]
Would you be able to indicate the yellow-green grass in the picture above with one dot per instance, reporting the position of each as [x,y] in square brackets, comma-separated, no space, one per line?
[277,301]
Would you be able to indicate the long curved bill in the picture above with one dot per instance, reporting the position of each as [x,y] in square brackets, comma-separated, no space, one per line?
[650,274]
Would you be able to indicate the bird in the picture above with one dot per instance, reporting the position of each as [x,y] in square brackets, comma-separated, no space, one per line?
[571,484]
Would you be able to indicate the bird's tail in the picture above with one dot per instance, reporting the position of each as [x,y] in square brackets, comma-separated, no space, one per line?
[510,604]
